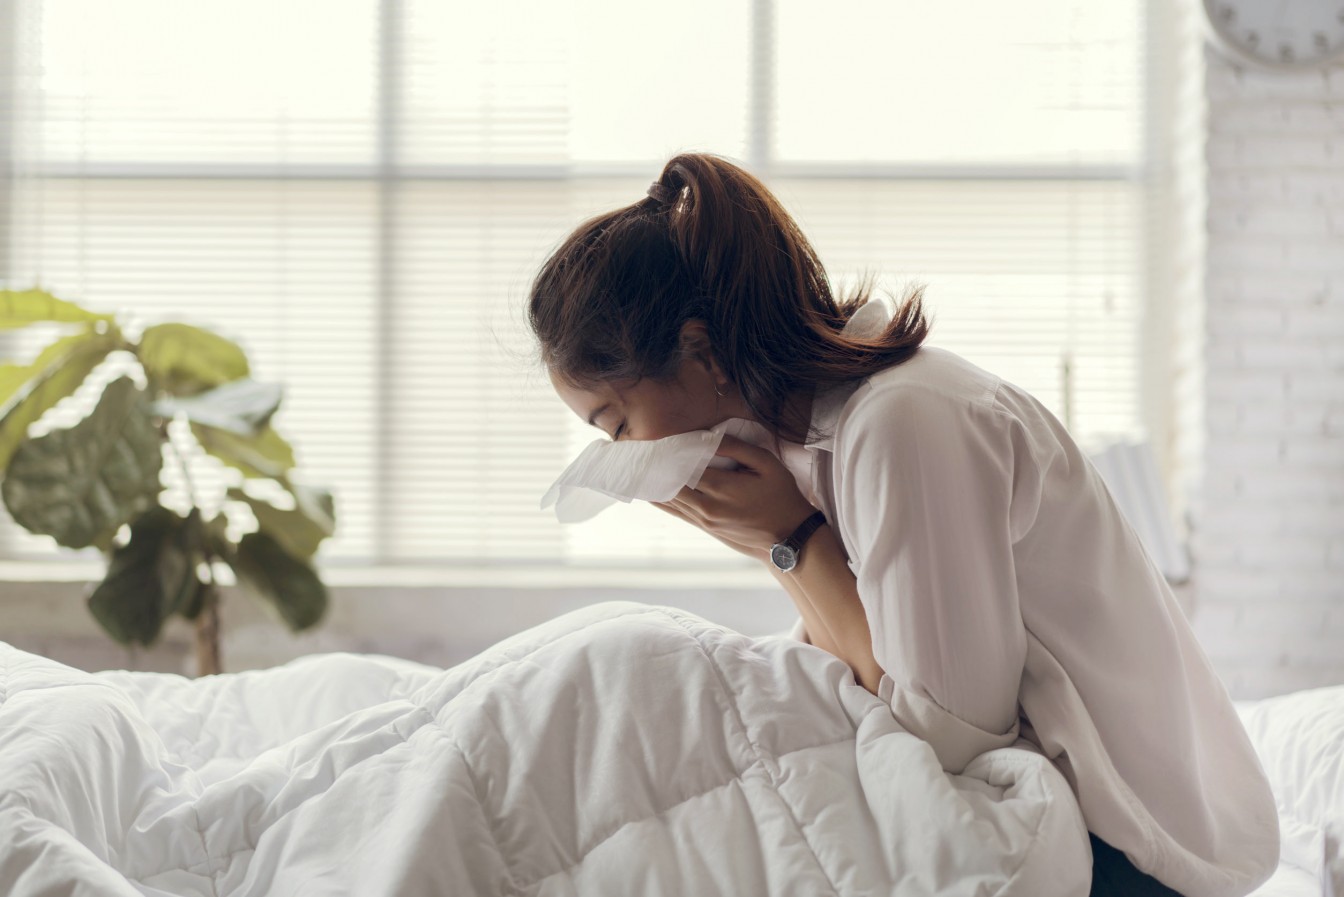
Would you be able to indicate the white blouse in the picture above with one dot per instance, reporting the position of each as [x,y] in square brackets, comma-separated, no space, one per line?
[1009,599]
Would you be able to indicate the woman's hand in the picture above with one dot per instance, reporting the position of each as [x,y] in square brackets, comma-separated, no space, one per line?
[754,553]
[748,509]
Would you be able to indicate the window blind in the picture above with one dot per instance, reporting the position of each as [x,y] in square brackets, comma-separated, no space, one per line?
[360,193]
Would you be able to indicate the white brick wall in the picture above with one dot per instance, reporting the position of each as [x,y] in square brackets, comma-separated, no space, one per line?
[1261,425]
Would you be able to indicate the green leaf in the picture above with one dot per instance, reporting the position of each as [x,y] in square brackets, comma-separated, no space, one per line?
[19,308]
[79,484]
[29,391]
[215,532]
[192,601]
[146,579]
[300,530]
[14,377]
[266,455]
[291,586]
[187,360]
[179,556]
[317,504]
[242,407]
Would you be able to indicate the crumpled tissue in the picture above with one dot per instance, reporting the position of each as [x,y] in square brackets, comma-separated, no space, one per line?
[651,469]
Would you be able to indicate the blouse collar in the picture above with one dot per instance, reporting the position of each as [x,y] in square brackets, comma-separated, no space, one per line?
[871,318]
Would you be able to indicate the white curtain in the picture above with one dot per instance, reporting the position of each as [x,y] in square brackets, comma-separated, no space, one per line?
[360,192]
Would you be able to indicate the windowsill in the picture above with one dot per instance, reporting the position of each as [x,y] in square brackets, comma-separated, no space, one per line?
[437,615]
[473,577]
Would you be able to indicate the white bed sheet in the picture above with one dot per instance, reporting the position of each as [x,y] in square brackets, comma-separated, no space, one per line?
[1290,881]
[1299,738]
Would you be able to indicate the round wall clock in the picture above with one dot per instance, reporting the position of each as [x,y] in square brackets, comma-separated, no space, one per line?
[1280,34]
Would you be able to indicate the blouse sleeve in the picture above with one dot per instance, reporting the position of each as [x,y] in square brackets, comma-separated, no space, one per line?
[925,485]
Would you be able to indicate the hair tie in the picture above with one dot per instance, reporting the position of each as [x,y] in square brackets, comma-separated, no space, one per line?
[661,192]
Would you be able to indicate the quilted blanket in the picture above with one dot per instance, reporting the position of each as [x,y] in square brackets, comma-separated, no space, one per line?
[620,749]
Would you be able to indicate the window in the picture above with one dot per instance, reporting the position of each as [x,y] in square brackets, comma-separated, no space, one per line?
[360,193]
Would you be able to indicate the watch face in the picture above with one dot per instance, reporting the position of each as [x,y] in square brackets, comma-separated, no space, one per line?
[783,556]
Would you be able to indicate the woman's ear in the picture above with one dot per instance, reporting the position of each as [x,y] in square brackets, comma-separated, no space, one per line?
[694,343]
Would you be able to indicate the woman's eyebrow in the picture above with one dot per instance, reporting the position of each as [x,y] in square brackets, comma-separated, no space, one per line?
[592,417]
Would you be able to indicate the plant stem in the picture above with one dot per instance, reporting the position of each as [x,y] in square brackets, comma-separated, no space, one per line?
[207,633]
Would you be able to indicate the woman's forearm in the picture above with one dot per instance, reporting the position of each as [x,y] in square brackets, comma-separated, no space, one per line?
[826,593]
[815,631]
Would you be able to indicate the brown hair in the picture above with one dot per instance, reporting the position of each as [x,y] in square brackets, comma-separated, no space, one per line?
[609,303]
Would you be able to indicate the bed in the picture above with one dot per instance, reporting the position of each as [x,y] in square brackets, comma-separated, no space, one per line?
[558,762]
[1300,740]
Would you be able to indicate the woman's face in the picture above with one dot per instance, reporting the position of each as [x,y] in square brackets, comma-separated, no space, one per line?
[652,410]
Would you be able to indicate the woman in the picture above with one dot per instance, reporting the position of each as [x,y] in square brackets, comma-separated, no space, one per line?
[950,542]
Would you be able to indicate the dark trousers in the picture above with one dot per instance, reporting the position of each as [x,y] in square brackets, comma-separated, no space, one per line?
[1113,875]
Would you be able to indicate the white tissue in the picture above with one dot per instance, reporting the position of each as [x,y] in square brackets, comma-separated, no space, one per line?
[652,469]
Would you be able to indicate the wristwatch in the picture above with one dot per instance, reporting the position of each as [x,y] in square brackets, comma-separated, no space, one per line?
[784,555]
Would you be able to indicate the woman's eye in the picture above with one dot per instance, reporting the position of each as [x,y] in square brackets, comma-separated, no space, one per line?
[619,431]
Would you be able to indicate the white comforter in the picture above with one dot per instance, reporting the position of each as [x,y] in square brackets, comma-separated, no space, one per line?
[620,749]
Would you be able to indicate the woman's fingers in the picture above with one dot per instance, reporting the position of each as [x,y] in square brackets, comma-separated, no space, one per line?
[673,506]
[710,483]
[689,508]
[665,506]
[745,453]
[695,502]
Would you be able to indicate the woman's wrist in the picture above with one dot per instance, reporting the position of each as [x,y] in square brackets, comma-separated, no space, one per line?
[791,524]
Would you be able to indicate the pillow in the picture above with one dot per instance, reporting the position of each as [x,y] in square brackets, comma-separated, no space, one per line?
[1300,740]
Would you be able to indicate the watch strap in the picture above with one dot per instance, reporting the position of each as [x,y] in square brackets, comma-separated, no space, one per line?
[805,530]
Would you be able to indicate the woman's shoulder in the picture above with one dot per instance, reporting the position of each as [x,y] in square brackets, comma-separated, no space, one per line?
[942,391]
[932,376]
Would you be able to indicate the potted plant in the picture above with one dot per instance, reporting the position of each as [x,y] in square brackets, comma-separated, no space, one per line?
[98,483]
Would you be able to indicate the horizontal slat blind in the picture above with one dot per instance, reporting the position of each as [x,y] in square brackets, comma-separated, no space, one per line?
[164,82]
[1019,274]
[370,242]
[284,267]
